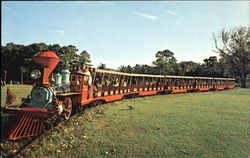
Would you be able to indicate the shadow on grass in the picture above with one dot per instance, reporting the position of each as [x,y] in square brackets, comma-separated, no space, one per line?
[125,109]
[7,123]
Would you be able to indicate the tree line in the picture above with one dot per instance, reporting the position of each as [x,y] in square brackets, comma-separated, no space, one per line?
[16,58]
[233,46]
[166,64]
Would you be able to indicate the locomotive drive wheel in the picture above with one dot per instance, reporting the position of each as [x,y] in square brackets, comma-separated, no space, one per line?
[68,108]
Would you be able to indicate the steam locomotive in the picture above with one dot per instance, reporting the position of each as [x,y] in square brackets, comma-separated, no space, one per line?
[55,95]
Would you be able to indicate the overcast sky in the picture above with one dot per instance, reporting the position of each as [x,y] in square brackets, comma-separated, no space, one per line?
[124,32]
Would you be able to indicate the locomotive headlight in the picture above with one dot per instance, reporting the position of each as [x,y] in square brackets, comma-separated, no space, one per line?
[35,74]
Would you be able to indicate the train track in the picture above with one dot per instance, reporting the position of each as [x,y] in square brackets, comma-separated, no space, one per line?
[15,148]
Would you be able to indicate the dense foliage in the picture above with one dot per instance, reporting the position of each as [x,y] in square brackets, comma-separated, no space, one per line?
[210,67]
[15,58]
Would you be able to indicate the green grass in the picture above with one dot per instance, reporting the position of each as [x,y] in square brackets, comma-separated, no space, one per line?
[22,91]
[211,124]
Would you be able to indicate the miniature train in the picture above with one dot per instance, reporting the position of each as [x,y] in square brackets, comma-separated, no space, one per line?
[56,95]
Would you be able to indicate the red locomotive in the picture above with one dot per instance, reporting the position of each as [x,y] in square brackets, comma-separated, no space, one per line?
[56,95]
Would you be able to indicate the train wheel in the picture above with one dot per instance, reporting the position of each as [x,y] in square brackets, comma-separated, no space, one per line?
[68,108]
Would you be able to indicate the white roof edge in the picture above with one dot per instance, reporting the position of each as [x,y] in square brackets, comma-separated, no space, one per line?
[224,78]
[159,76]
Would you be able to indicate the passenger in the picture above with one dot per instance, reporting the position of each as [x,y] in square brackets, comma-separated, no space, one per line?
[195,83]
[176,82]
[133,80]
[89,79]
[96,84]
[79,80]
[107,81]
[157,82]
[88,74]
[124,84]
[166,81]
[116,83]
[152,82]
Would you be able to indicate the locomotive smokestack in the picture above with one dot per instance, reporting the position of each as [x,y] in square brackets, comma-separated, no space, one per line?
[47,59]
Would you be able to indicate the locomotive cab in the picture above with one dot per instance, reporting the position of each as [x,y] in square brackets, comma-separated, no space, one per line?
[81,81]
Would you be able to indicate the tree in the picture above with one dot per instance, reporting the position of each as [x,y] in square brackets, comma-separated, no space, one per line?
[122,68]
[137,69]
[38,47]
[127,69]
[12,57]
[212,67]
[55,48]
[234,49]
[187,68]
[165,62]
[102,66]
[23,70]
[199,70]
[146,69]
[68,56]
[85,58]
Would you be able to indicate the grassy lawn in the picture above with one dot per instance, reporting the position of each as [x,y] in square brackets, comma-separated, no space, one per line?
[210,124]
[22,91]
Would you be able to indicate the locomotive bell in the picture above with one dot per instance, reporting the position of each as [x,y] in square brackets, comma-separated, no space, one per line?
[47,59]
